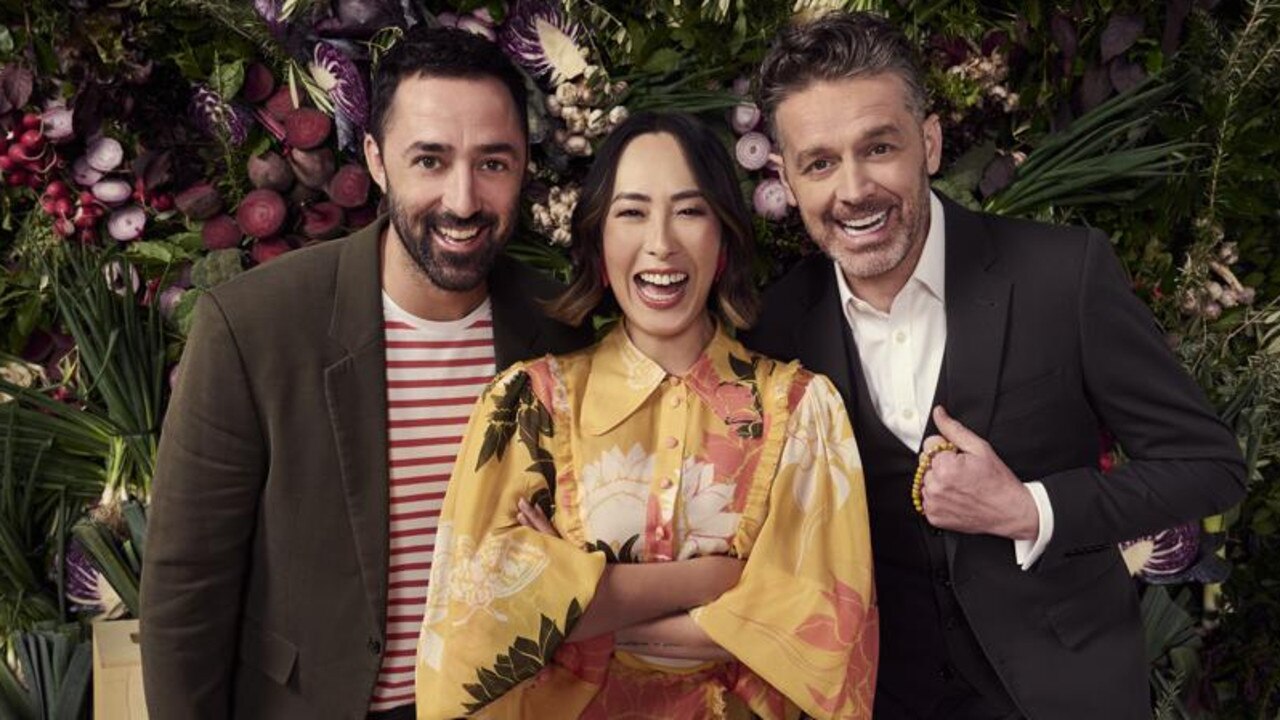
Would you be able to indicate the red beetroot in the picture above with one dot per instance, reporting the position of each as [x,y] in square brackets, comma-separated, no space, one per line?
[258,83]
[280,104]
[313,167]
[270,171]
[349,187]
[261,213]
[220,232]
[322,221]
[269,249]
[307,128]
[361,216]
[199,202]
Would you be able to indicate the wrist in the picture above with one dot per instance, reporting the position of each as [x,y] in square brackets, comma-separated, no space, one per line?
[1025,523]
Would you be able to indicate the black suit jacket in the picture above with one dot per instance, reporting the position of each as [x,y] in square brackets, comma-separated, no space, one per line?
[264,588]
[1047,345]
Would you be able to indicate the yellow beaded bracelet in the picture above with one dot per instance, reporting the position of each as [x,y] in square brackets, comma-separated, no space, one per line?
[917,484]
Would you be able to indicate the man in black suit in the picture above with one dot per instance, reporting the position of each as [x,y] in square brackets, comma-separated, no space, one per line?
[1015,341]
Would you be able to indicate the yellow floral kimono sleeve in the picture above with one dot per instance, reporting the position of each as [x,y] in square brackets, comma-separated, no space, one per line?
[502,597]
[803,617]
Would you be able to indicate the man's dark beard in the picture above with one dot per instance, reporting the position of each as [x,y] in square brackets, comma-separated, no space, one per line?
[454,272]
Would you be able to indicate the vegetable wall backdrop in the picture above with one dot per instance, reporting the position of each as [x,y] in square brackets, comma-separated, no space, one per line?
[154,148]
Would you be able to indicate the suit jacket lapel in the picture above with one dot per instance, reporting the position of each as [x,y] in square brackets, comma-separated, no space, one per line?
[515,325]
[356,391]
[977,318]
[823,339]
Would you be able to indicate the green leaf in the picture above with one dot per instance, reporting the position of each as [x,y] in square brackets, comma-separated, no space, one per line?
[6,40]
[663,61]
[227,79]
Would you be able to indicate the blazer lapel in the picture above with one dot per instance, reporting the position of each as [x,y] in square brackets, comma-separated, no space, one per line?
[824,343]
[515,326]
[977,318]
[356,391]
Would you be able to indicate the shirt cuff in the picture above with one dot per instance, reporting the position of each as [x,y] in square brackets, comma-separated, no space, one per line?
[1027,552]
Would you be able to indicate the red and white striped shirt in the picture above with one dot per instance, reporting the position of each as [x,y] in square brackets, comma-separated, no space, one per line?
[435,372]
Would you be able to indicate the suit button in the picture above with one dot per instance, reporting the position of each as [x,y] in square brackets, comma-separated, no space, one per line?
[936,532]
[375,646]
[942,577]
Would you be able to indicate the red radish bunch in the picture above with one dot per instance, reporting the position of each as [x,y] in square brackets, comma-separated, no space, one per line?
[26,158]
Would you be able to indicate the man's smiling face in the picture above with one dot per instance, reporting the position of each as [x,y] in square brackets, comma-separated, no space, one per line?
[856,161]
[452,164]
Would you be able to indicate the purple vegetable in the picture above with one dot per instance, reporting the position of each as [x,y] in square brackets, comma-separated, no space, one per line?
[199,202]
[752,150]
[84,175]
[112,191]
[114,274]
[270,11]
[745,118]
[57,124]
[338,75]
[540,36]
[1173,551]
[473,25]
[770,199]
[269,170]
[169,298]
[127,223]
[104,154]
[82,580]
[742,86]
[447,19]
[217,117]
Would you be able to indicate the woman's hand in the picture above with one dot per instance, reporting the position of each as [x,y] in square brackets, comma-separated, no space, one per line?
[531,516]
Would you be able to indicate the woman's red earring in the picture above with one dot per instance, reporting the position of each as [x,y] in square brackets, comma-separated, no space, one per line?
[721,263]
[604,275]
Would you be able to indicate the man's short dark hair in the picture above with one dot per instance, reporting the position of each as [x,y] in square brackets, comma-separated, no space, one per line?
[442,52]
[838,46]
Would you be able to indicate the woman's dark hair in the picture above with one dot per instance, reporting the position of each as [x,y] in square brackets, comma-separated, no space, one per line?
[444,53]
[733,296]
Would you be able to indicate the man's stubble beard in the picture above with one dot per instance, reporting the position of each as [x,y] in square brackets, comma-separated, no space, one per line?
[891,254]
[454,272]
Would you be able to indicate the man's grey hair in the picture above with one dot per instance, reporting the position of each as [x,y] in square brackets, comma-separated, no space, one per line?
[838,46]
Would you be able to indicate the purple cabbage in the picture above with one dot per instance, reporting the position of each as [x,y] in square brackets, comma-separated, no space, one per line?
[543,39]
[1172,551]
[217,117]
[339,76]
[82,581]
[272,13]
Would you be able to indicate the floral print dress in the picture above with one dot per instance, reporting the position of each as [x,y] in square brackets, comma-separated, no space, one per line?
[741,456]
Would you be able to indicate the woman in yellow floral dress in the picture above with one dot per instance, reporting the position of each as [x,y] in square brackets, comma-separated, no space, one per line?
[664,525]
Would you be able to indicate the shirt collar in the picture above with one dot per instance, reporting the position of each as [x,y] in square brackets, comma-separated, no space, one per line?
[930,272]
[622,378]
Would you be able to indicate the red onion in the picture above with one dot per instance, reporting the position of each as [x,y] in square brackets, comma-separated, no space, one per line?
[770,199]
[112,191]
[169,298]
[127,223]
[745,118]
[83,174]
[742,86]
[752,150]
[474,25]
[58,124]
[104,154]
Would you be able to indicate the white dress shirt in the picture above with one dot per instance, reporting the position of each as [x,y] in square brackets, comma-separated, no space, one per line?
[901,355]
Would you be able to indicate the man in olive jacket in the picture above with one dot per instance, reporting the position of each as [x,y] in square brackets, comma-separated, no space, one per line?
[265,589]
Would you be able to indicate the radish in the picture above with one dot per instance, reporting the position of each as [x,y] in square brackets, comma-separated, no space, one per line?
[349,187]
[112,191]
[127,223]
[31,121]
[199,202]
[322,221]
[220,232]
[258,83]
[104,154]
[270,171]
[307,128]
[313,167]
[752,151]
[261,213]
